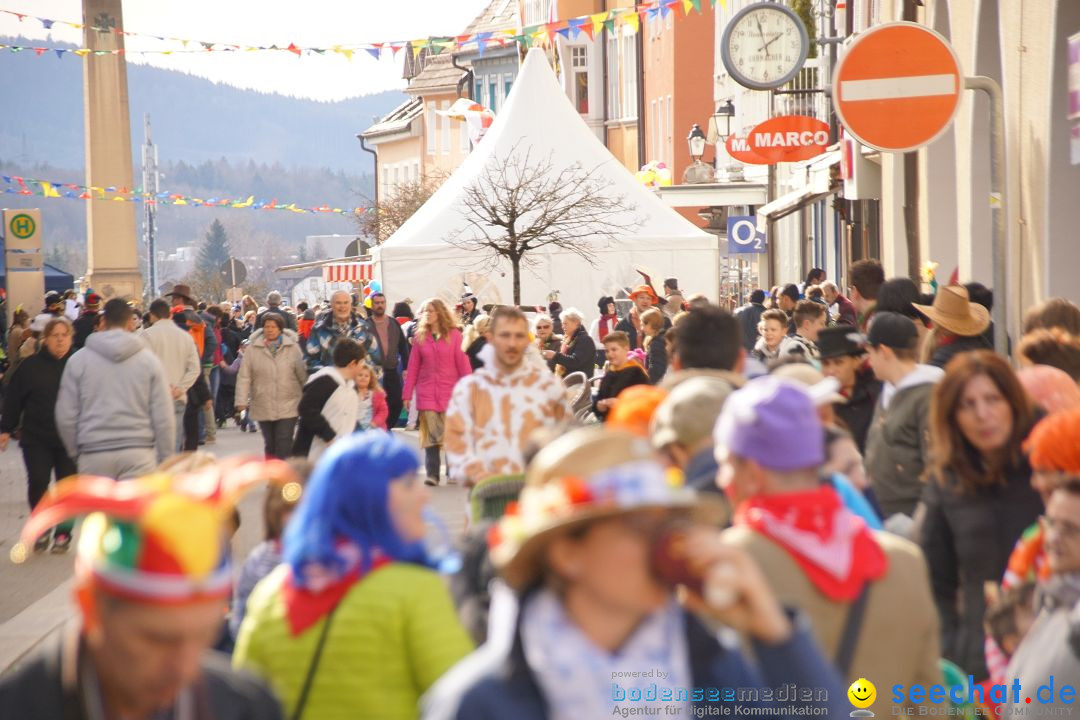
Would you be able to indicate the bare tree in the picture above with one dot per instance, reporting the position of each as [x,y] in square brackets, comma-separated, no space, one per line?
[400,203]
[521,203]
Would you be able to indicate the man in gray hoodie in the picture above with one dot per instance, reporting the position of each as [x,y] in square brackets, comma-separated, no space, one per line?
[898,442]
[114,411]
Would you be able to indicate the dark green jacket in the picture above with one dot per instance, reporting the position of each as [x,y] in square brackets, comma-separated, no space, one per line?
[898,443]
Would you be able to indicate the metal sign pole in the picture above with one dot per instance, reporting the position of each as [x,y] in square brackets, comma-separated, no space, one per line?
[998,217]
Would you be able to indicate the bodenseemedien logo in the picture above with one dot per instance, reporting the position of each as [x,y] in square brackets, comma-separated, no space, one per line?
[862,694]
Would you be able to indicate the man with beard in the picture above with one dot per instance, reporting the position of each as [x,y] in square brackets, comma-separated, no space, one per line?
[481,443]
[392,345]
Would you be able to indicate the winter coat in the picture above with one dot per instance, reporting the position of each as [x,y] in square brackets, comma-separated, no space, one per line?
[507,688]
[898,638]
[394,632]
[799,346]
[114,396]
[83,327]
[473,352]
[580,355]
[38,688]
[615,381]
[324,335]
[328,409]
[763,354]
[435,366]
[898,442]
[967,539]
[845,312]
[1052,645]
[656,359]
[269,384]
[749,316]
[858,412]
[30,400]
[960,344]
[396,345]
[176,351]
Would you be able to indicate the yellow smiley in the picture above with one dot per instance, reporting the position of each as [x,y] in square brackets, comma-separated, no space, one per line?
[862,693]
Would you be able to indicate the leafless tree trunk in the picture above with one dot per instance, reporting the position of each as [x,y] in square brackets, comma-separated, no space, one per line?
[522,203]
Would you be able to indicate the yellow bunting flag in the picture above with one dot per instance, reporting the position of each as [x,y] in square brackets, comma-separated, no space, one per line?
[49,190]
[633,21]
[598,21]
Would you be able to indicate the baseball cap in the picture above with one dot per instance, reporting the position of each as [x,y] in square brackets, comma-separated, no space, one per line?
[688,414]
[772,421]
[892,330]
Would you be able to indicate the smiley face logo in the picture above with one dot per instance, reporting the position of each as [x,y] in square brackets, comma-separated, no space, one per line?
[862,693]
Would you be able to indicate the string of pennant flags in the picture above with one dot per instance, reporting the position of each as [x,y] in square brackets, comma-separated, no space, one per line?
[17,185]
[570,28]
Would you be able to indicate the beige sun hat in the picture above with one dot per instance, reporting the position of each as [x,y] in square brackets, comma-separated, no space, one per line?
[822,390]
[587,474]
[954,311]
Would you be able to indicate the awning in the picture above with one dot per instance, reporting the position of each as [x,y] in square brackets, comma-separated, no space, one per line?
[713,194]
[348,272]
[819,185]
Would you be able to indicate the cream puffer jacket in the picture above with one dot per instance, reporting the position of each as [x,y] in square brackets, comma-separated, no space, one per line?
[269,384]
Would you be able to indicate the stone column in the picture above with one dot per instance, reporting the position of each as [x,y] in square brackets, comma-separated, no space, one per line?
[111,242]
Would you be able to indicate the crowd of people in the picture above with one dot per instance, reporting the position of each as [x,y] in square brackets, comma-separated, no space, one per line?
[820,488]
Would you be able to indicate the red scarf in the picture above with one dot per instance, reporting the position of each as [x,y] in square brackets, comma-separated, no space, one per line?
[832,545]
[607,324]
[304,608]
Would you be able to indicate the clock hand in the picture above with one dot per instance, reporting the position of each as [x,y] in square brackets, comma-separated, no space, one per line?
[773,40]
[761,33]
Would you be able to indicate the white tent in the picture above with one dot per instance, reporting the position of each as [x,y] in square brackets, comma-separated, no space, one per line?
[418,262]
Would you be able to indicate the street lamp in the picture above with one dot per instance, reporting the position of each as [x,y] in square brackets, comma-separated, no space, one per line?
[725,113]
[696,140]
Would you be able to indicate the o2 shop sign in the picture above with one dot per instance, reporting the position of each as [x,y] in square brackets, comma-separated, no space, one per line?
[743,235]
[789,138]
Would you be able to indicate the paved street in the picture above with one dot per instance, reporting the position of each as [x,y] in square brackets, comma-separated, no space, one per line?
[36,595]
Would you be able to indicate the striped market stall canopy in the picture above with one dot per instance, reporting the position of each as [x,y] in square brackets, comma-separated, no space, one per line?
[348,272]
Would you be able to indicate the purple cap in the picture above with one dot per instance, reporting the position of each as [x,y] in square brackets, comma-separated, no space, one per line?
[773,422]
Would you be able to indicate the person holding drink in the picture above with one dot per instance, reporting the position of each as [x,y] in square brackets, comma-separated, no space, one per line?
[594,551]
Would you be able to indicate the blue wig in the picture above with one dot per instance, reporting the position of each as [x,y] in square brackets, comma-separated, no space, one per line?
[346,498]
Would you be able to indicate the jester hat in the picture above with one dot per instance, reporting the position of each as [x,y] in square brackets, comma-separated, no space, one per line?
[160,538]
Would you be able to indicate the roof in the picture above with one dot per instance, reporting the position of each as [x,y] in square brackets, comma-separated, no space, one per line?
[438,75]
[498,15]
[398,119]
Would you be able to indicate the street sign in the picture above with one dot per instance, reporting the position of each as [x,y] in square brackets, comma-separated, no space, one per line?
[234,272]
[743,235]
[22,229]
[789,138]
[738,147]
[897,86]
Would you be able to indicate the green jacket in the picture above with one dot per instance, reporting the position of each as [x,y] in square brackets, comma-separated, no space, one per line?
[393,634]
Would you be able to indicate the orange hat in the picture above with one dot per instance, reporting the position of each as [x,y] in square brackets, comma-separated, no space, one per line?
[634,408]
[646,290]
[1052,446]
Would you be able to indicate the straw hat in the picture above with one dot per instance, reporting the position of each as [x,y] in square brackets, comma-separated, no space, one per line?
[953,311]
[585,475]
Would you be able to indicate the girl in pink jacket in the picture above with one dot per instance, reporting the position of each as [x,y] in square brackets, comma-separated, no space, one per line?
[436,363]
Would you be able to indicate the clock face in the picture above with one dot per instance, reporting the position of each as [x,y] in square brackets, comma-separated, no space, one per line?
[764,46]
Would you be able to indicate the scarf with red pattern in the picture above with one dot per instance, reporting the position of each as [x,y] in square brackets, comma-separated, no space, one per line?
[831,544]
[323,588]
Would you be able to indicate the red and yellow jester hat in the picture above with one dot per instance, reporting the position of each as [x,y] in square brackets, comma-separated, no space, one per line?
[160,538]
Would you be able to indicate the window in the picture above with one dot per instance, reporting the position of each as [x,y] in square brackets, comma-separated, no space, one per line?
[579,65]
[397,177]
[622,76]
[669,147]
[444,105]
[508,82]
[493,92]
[537,11]
[385,189]
[430,121]
[654,136]
[479,92]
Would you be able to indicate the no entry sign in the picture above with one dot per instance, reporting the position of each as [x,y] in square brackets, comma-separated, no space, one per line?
[897,87]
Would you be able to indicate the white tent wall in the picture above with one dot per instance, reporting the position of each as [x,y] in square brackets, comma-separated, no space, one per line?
[418,261]
[442,271]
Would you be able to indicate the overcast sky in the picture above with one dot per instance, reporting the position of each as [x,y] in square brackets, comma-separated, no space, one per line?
[311,23]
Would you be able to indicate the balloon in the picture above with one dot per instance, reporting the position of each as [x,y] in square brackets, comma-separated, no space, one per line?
[367,291]
[375,286]
[367,303]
